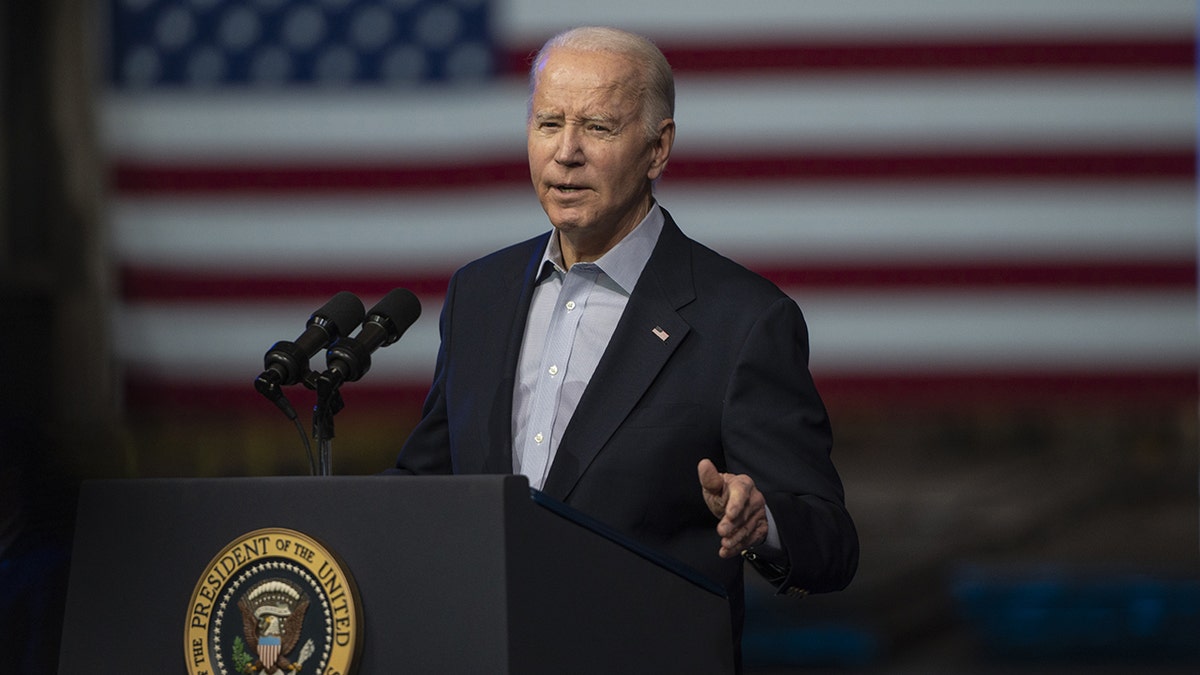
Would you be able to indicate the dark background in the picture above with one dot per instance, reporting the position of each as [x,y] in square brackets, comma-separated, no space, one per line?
[1053,534]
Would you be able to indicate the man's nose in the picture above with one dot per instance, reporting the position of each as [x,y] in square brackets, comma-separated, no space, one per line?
[570,147]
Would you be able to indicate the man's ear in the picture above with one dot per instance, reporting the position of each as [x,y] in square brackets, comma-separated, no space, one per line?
[660,148]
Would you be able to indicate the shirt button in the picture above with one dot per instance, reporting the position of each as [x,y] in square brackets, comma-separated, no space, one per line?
[538,438]
[570,305]
[553,370]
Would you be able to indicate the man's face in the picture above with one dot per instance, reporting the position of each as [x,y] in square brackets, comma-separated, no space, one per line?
[589,157]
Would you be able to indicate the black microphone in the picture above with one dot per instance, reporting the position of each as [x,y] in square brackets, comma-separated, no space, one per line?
[350,357]
[286,363]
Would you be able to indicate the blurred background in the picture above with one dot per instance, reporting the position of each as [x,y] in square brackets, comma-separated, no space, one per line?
[986,209]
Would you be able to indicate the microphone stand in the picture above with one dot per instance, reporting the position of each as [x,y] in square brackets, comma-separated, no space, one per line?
[329,402]
[349,358]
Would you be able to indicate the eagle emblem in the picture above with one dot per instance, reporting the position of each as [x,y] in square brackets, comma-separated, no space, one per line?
[272,619]
[298,608]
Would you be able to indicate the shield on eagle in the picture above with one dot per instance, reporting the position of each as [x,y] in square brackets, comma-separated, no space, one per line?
[272,618]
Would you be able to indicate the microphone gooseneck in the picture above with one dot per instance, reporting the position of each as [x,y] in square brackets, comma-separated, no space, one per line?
[286,363]
[349,359]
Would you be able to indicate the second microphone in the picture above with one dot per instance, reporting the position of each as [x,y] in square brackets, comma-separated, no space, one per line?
[349,358]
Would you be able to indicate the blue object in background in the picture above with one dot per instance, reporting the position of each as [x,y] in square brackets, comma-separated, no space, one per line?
[1080,615]
[204,44]
[839,645]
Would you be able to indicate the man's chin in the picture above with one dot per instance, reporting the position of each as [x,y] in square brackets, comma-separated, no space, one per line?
[565,219]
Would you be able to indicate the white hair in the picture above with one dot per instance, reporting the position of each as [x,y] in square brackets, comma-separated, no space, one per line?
[657,86]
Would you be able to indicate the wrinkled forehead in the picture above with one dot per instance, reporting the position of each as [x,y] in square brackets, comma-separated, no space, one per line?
[587,78]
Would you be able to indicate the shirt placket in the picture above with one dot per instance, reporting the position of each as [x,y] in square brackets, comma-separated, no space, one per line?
[560,339]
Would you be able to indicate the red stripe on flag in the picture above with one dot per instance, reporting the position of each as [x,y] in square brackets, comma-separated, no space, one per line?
[822,55]
[154,284]
[143,178]
[840,391]
[131,177]
[148,393]
[146,284]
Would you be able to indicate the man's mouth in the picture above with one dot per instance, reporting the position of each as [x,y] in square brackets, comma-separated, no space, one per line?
[567,187]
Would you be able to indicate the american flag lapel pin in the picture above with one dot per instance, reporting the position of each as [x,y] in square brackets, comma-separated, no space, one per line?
[662,334]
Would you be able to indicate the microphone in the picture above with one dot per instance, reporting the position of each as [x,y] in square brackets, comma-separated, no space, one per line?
[286,363]
[350,357]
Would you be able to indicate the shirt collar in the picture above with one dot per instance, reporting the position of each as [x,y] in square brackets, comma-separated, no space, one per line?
[622,263]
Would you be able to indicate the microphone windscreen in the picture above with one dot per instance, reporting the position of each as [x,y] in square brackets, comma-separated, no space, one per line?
[400,307]
[344,311]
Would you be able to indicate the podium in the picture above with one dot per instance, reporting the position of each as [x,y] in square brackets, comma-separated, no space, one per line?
[455,574]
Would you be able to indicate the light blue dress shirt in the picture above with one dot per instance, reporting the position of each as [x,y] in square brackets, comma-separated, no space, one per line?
[571,319]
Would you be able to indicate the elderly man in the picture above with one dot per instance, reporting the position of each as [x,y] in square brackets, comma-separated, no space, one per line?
[624,368]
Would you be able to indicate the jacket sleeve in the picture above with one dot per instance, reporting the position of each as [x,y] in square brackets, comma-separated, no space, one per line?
[775,429]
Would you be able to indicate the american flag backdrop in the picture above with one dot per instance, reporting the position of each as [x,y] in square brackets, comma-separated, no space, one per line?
[968,199]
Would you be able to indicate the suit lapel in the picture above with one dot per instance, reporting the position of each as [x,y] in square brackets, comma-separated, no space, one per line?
[649,332]
[498,434]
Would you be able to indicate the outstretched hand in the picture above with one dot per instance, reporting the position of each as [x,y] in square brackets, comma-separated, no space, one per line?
[738,503]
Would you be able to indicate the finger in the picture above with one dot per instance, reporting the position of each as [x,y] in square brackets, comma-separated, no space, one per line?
[751,535]
[712,487]
[754,518]
[749,523]
[736,535]
[734,547]
[740,490]
[710,479]
[747,535]
[739,506]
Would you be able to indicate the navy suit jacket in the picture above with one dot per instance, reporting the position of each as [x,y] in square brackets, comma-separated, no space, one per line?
[730,382]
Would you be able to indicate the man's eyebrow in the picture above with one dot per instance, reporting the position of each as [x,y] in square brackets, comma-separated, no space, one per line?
[600,118]
[605,119]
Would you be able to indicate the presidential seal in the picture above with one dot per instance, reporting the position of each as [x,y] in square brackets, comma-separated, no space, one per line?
[273,601]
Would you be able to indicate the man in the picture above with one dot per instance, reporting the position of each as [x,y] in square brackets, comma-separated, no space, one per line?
[625,369]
